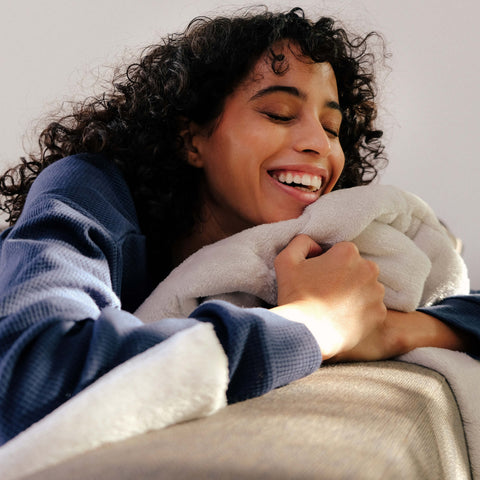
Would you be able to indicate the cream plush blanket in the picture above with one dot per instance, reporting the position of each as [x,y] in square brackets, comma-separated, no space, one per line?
[418,266]
[182,378]
[417,260]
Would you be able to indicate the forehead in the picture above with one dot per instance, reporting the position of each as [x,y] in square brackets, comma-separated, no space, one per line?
[292,68]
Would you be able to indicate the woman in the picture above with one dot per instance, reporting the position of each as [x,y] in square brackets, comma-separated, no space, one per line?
[236,122]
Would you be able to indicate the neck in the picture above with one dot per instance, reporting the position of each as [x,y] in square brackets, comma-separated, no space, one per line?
[211,228]
[204,233]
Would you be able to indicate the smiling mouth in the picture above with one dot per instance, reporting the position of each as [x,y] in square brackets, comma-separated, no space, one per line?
[305,182]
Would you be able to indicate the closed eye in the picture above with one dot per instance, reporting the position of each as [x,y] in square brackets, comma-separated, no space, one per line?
[279,118]
[332,132]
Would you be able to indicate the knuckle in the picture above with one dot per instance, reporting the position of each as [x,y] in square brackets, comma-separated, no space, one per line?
[379,308]
[381,313]
[302,237]
[374,268]
[369,269]
[299,241]
[347,249]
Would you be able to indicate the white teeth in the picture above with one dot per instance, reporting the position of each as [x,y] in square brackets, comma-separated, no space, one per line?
[312,182]
[316,182]
[306,180]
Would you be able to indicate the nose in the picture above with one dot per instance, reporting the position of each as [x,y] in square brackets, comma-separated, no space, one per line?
[311,137]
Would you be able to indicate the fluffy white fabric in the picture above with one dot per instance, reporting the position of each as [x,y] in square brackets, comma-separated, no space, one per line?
[396,229]
[152,390]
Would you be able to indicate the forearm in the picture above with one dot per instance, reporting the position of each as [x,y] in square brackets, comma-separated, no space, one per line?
[53,360]
[264,350]
[418,329]
[462,314]
[64,269]
[403,332]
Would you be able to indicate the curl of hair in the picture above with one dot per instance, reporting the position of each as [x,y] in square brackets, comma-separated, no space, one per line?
[188,76]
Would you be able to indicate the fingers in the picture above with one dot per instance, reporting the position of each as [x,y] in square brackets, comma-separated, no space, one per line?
[299,249]
[344,252]
[347,254]
[337,293]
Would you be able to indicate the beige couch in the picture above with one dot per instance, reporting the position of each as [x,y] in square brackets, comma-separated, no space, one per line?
[379,420]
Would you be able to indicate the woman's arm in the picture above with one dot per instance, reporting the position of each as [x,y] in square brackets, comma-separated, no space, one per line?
[403,332]
[73,255]
[454,323]
[462,314]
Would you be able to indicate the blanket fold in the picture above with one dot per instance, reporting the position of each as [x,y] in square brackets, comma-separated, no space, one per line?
[151,391]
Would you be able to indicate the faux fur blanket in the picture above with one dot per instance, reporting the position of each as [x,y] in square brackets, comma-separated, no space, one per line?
[418,266]
[417,260]
[182,378]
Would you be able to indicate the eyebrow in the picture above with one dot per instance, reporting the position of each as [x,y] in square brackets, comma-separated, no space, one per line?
[279,88]
[292,91]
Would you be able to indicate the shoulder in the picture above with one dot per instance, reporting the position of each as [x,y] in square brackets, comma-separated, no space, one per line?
[87,181]
[78,172]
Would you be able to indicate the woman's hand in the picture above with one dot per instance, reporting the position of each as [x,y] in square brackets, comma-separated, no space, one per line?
[401,333]
[335,294]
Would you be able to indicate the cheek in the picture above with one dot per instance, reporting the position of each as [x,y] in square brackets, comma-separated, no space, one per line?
[236,154]
[224,166]
[338,163]
[237,151]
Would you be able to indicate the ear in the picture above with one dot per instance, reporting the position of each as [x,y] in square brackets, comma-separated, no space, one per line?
[190,135]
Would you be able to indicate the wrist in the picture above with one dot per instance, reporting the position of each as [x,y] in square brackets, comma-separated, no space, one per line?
[328,338]
[417,329]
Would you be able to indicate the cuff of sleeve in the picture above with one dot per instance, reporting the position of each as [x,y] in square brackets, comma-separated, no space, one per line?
[460,312]
[265,350]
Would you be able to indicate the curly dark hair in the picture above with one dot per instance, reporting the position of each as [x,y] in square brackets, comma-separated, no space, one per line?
[137,123]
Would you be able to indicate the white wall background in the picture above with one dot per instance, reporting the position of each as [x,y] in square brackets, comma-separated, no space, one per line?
[52,49]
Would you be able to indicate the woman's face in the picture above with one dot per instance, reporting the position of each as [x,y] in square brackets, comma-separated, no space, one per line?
[275,148]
